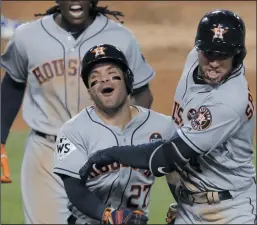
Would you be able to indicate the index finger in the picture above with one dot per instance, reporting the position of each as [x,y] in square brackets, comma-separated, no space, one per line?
[85,171]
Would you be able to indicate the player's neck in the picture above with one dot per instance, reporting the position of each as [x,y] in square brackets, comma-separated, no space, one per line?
[63,23]
[118,117]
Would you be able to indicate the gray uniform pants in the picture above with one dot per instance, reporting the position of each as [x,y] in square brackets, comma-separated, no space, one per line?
[239,210]
[43,194]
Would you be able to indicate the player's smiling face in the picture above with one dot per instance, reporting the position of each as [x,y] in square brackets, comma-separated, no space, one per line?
[214,67]
[107,86]
[75,12]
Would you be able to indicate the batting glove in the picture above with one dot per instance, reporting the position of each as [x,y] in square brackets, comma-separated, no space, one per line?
[171,214]
[5,178]
[123,216]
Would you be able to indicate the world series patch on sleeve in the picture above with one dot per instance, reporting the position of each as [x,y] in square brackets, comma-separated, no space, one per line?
[64,148]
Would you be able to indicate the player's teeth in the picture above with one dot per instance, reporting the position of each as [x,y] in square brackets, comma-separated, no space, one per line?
[212,74]
[75,7]
[76,13]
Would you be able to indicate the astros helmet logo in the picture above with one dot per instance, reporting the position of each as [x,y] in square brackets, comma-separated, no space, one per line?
[99,51]
[218,32]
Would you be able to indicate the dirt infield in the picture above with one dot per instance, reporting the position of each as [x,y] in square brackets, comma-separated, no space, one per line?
[166,32]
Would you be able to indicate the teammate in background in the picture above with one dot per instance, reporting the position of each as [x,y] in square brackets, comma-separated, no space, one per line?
[44,57]
[213,148]
[8,27]
[111,121]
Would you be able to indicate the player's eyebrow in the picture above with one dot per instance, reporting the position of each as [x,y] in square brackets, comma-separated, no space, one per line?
[112,67]
[93,75]
[94,71]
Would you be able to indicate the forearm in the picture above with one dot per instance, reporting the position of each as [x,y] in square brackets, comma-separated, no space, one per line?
[162,157]
[11,99]
[173,191]
[142,97]
[172,180]
[83,199]
[143,154]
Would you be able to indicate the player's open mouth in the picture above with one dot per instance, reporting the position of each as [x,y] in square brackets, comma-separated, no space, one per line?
[107,91]
[76,11]
[212,75]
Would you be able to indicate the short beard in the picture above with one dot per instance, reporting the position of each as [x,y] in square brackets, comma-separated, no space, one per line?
[112,111]
[202,76]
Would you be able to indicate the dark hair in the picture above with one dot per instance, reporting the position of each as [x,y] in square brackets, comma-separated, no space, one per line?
[93,11]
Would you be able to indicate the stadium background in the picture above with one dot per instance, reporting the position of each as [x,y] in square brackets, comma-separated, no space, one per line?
[166,32]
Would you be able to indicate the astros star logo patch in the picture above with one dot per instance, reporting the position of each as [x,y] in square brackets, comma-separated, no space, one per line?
[99,51]
[202,119]
[155,137]
[218,32]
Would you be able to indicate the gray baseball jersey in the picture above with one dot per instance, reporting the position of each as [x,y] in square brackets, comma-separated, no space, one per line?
[224,117]
[116,185]
[50,63]
[217,122]
[48,58]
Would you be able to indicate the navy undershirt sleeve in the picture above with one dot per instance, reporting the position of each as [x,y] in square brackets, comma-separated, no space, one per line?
[82,198]
[12,94]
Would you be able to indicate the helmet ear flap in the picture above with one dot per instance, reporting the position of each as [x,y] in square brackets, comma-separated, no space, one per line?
[238,59]
[129,80]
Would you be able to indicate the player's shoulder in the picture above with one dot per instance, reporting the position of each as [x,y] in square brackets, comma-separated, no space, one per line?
[233,92]
[160,116]
[192,56]
[117,27]
[153,115]
[158,123]
[26,27]
[74,124]
[191,62]
[26,30]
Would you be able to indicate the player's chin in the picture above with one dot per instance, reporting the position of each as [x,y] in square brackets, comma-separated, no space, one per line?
[78,20]
[110,104]
[212,79]
[109,107]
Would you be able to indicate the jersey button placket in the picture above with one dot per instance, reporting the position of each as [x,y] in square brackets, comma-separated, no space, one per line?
[126,140]
[72,67]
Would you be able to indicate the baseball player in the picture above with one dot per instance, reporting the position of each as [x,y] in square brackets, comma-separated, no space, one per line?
[42,60]
[212,149]
[115,193]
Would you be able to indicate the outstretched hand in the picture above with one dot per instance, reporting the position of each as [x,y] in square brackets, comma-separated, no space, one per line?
[134,156]
[100,158]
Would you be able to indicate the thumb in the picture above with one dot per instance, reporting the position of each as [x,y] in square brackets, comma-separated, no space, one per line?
[85,170]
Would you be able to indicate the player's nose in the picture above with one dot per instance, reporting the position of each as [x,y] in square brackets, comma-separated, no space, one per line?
[104,78]
[214,63]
